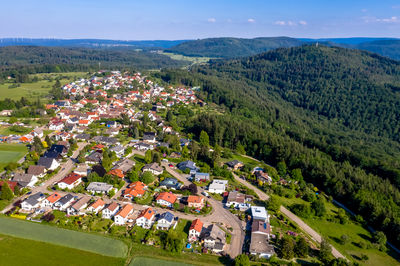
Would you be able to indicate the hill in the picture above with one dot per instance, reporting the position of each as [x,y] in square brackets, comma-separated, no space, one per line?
[388,48]
[231,47]
[88,43]
[330,111]
[13,56]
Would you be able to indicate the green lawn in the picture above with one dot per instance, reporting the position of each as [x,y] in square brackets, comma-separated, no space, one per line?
[356,233]
[144,261]
[4,130]
[11,153]
[17,251]
[192,59]
[51,234]
[36,89]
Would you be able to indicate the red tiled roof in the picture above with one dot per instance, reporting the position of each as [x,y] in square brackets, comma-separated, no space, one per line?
[70,179]
[125,210]
[194,199]
[54,197]
[196,225]
[167,196]
[147,213]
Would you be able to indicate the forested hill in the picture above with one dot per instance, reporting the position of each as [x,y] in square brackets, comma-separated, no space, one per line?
[389,48]
[34,55]
[358,89]
[232,47]
[332,112]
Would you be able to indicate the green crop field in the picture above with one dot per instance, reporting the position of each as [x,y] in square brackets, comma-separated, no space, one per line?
[18,251]
[11,153]
[36,89]
[63,237]
[143,261]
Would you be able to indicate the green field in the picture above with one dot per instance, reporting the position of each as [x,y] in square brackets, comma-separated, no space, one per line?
[63,237]
[17,251]
[143,261]
[36,89]
[11,153]
[7,130]
[356,233]
[192,59]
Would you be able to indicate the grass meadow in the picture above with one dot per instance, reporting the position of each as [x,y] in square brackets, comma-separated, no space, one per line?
[11,153]
[63,237]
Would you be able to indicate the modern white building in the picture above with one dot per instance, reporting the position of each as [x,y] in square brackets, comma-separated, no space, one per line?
[259,213]
[217,186]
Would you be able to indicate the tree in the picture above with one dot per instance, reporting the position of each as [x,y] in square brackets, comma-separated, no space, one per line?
[379,238]
[106,162]
[156,157]
[11,166]
[273,203]
[287,248]
[133,176]
[301,248]
[37,144]
[325,251]
[170,116]
[48,140]
[204,139]
[111,193]
[344,239]
[147,177]
[193,189]
[173,242]
[6,192]
[318,207]
[297,175]
[148,156]
[281,167]
[242,260]
[194,150]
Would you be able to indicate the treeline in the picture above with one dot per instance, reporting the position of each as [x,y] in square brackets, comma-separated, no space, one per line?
[355,165]
[34,55]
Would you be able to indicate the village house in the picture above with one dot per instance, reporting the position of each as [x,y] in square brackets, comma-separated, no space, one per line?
[82,169]
[238,200]
[48,163]
[64,202]
[99,187]
[195,202]
[25,180]
[122,216]
[195,230]
[50,200]
[37,170]
[188,165]
[136,189]
[32,202]
[119,150]
[124,165]
[165,221]
[153,168]
[149,137]
[146,218]
[214,238]
[117,173]
[96,206]
[166,199]
[78,206]
[235,165]
[110,211]
[170,183]
[259,213]
[141,146]
[70,181]
[201,177]
[11,184]
[218,186]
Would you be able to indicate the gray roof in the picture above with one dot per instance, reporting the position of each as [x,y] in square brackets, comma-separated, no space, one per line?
[99,186]
[167,216]
[153,166]
[64,200]
[81,202]
[94,157]
[117,148]
[170,183]
[259,244]
[233,163]
[36,169]
[215,233]
[34,199]
[22,179]
[46,162]
[187,164]
[125,165]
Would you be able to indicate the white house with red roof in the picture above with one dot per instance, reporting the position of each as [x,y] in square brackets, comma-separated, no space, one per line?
[70,181]
[146,218]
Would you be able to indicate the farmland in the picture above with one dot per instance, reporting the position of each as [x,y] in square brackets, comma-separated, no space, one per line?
[88,242]
[17,251]
[11,153]
[143,261]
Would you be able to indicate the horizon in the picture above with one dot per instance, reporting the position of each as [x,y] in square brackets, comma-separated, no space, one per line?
[182,20]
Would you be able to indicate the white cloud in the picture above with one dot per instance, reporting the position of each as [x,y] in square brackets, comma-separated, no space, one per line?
[251,20]
[290,23]
[212,20]
[364,10]
[393,19]
[280,23]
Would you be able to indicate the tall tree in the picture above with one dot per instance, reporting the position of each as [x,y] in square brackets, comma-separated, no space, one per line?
[6,193]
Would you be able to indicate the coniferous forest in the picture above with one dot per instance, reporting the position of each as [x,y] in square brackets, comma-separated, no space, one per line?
[332,112]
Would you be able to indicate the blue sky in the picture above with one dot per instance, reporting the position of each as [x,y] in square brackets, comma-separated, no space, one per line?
[188,19]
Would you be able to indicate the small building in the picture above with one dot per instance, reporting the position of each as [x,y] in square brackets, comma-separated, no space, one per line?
[259,246]
[238,200]
[82,170]
[96,206]
[235,164]
[188,165]
[25,180]
[153,168]
[78,206]
[165,221]
[51,200]
[117,173]
[149,137]
[99,187]
[64,202]
[170,183]
[146,218]
[259,213]
[124,165]
[195,202]
[119,150]
[218,186]
[166,199]
[201,177]
[70,181]
[136,189]
[110,211]
[32,202]
[195,230]
[213,235]
[48,163]
[94,157]
[37,170]
[122,216]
